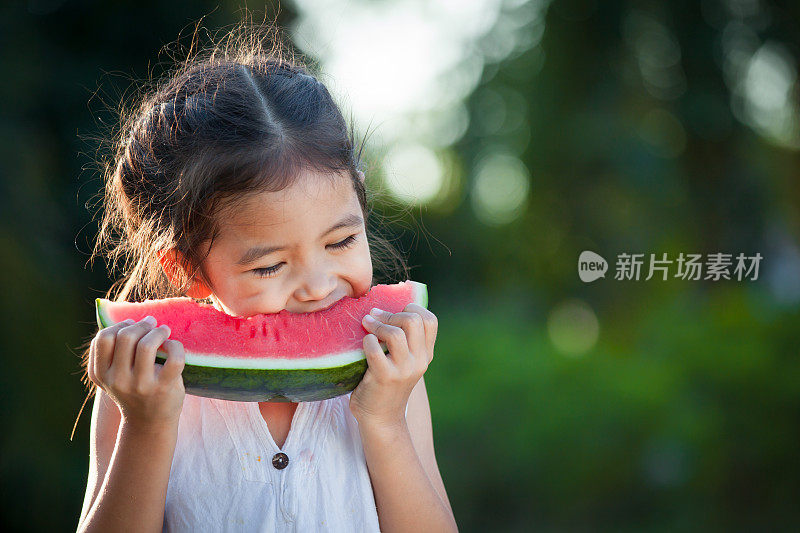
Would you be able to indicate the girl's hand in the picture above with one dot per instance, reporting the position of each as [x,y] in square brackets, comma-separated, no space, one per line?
[382,395]
[122,363]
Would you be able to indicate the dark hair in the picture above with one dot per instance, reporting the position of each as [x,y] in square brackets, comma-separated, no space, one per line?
[233,119]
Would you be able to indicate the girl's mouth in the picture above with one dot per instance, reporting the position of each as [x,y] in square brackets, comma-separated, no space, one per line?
[323,307]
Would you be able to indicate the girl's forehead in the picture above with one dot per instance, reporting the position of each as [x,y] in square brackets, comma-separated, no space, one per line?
[305,203]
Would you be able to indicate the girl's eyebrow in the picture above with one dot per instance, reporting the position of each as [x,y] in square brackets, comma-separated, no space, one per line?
[257,252]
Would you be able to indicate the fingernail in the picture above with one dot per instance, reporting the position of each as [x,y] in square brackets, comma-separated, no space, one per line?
[368,319]
[165,328]
[375,312]
[150,320]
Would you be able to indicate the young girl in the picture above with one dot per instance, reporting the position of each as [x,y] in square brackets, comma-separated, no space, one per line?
[236,182]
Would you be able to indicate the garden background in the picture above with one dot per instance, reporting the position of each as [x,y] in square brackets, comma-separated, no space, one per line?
[506,137]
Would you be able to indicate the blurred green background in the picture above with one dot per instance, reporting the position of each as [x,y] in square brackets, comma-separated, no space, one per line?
[545,129]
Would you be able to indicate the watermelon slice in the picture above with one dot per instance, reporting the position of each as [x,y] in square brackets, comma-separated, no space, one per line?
[279,357]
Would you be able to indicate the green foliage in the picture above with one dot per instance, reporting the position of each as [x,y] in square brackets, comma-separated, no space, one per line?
[693,426]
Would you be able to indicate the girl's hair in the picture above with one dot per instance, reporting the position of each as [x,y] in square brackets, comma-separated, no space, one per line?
[231,120]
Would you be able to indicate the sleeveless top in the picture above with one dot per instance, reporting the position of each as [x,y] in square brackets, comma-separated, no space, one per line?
[228,474]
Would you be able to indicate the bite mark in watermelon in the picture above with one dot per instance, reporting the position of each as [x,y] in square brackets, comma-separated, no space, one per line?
[283,357]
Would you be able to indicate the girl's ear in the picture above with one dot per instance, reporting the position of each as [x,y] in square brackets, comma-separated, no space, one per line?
[361,176]
[171,265]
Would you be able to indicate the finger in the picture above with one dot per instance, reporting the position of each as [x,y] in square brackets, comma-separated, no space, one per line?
[395,339]
[410,323]
[90,363]
[143,363]
[430,321]
[104,344]
[176,359]
[376,358]
[127,339]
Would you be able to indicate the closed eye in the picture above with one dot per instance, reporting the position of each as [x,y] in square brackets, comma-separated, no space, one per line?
[269,271]
[345,243]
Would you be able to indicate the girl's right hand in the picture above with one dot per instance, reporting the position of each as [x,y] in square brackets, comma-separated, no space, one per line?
[122,363]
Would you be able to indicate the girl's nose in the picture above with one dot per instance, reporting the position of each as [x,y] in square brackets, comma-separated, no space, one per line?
[316,287]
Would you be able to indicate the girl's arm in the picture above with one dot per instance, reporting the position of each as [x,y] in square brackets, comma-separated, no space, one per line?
[102,441]
[128,473]
[134,426]
[420,426]
[404,495]
[398,447]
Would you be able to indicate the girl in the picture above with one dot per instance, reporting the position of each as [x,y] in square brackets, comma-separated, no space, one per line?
[236,182]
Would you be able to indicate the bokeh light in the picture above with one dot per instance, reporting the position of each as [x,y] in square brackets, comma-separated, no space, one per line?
[405,68]
[500,189]
[573,327]
[413,172]
[658,54]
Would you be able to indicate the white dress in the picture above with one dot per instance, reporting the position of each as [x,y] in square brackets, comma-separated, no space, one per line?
[228,474]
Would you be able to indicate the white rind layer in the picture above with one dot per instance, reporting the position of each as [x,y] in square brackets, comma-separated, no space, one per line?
[420,294]
[329,361]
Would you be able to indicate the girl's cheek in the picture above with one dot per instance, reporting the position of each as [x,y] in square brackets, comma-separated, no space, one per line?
[251,297]
[360,276]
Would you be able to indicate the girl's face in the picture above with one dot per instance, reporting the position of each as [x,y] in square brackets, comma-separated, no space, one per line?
[300,249]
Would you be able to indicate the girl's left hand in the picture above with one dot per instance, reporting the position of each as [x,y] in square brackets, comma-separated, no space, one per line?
[382,395]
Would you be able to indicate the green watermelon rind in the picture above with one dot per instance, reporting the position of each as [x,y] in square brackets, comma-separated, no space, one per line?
[273,385]
[248,384]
